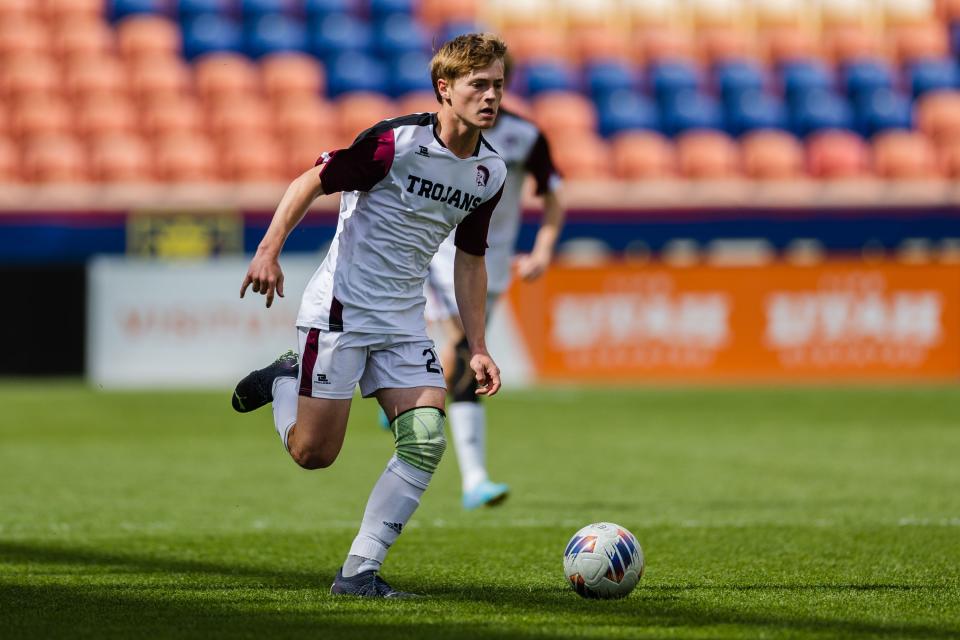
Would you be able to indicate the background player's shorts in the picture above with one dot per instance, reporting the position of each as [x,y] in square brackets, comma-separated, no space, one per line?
[333,362]
[442,304]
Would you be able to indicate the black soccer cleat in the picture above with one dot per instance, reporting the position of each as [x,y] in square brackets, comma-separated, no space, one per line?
[256,389]
[367,584]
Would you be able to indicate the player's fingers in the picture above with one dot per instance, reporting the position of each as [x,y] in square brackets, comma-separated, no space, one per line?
[494,385]
[280,286]
[246,283]
[269,288]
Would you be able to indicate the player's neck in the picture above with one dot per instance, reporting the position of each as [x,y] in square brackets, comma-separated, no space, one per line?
[458,136]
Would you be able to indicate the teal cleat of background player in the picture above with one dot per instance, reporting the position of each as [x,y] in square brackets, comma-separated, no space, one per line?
[486,494]
[382,417]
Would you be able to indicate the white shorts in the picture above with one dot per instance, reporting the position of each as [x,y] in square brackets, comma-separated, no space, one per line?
[333,362]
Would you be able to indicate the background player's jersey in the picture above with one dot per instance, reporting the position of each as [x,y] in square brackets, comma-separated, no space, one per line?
[525,151]
[403,193]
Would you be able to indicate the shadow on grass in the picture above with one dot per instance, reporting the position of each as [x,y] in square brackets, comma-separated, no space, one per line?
[103,594]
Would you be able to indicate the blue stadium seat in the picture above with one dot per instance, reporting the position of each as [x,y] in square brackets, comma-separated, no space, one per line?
[340,33]
[862,77]
[356,71]
[669,78]
[122,8]
[800,77]
[209,33]
[187,9]
[400,33]
[606,77]
[625,110]
[752,110]
[687,110]
[380,9]
[410,72]
[550,75]
[883,109]
[735,77]
[254,9]
[821,109]
[931,75]
[317,9]
[273,33]
[451,30]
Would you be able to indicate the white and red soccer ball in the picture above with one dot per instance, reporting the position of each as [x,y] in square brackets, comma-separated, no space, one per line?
[603,560]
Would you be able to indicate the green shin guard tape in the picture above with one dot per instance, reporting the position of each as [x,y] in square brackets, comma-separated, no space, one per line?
[419,437]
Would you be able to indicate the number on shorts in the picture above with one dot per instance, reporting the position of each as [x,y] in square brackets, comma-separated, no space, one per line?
[431,361]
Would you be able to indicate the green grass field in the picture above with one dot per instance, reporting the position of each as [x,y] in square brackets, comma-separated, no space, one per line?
[763,513]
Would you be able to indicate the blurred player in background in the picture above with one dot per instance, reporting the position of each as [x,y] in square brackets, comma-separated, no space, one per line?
[407,183]
[525,150]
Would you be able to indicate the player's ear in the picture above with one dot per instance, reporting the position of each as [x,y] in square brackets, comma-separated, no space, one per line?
[444,88]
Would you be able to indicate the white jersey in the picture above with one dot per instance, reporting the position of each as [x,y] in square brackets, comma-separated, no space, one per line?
[525,151]
[403,194]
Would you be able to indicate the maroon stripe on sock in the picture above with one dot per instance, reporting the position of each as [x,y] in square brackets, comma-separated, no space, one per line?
[307,362]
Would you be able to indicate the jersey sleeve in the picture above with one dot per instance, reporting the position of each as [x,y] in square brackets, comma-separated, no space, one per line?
[471,234]
[361,166]
[540,165]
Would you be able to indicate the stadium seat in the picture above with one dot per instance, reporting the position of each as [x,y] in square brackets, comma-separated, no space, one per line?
[559,112]
[28,75]
[417,102]
[121,159]
[771,155]
[434,13]
[663,45]
[318,8]
[821,109]
[16,9]
[172,115]
[597,42]
[948,156]
[358,111]
[399,33]
[938,116]
[835,154]
[94,75]
[640,155]
[921,41]
[849,12]
[883,109]
[531,42]
[208,33]
[863,76]
[102,115]
[186,158]
[897,12]
[339,33]
[904,155]
[603,77]
[122,8]
[722,43]
[581,156]
[52,159]
[381,9]
[40,115]
[83,37]
[353,72]
[704,154]
[781,13]
[146,36]
[189,9]
[9,162]
[253,159]
[225,75]
[549,75]
[781,45]
[579,14]
[846,43]
[691,110]
[626,110]
[310,117]
[933,75]
[284,75]
[756,110]
[233,117]
[23,36]
[74,10]
[450,30]
[735,77]
[410,72]
[253,10]
[300,154]
[153,78]
[274,33]
[800,77]
[667,78]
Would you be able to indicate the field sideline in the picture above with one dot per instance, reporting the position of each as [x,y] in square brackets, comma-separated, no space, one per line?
[763,513]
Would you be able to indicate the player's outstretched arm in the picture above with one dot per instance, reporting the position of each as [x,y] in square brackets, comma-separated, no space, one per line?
[470,286]
[264,272]
[532,265]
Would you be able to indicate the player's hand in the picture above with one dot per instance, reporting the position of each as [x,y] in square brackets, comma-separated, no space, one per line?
[266,276]
[487,374]
[531,266]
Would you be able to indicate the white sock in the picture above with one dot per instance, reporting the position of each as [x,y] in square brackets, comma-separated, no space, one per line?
[468,423]
[285,399]
[393,500]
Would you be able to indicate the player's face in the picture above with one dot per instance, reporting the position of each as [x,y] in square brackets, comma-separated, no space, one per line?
[475,97]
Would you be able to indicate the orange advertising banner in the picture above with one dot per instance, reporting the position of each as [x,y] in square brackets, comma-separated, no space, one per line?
[836,320]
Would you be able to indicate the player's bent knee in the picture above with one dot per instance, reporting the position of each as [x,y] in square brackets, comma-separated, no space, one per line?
[419,437]
[312,458]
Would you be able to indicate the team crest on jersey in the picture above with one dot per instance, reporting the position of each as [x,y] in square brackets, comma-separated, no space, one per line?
[483,174]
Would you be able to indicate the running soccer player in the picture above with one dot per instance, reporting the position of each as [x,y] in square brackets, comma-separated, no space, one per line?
[405,183]
[525,150]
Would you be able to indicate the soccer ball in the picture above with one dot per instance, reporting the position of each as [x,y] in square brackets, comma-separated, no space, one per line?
[603,560]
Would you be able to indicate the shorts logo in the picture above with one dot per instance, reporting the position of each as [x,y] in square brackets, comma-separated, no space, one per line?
[423,152]
[483,174]
[322,378]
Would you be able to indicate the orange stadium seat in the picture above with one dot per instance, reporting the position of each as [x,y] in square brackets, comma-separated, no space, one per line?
[938,116]
[949,158]
[639,155]
[23,35]
[121,158]
[103,115]
[863,13]
[436,13]
[850,42]
[54,159]
[560,112]
[663,43]
[417,102]
[87,76]
[948,10]
[720,43]
[707,154]
[505,14]
[4,119]
[658,13]
[897,12]
[72,10]
[9,161]
[29,75]
[13,9]
[291,74]
[83,36]
[513,102]
[241,117]
[837,154]
[155,78]
[780,44]
[40,116]
[173,115]
[253,159]
[904,155]
[186,158]
[600,42]
[299,154]
[917,41]
[777,13]
[148,36]
[309,117]
[225,76]
[536,42]
[581,156]
[771,155]
[357,111]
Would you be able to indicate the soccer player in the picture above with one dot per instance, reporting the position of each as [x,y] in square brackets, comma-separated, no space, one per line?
[525,150]
[405,183]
